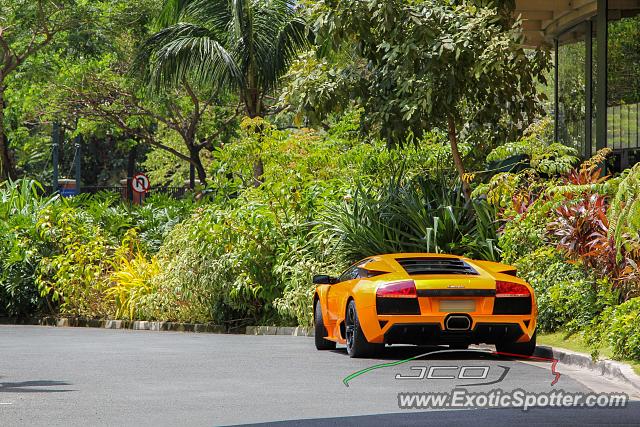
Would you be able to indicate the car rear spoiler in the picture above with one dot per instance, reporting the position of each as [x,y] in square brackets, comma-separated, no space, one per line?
[496,267]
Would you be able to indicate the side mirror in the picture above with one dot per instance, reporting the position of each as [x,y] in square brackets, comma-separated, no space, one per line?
[323,279]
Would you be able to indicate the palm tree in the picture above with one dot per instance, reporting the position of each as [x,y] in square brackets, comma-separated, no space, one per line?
[243,46]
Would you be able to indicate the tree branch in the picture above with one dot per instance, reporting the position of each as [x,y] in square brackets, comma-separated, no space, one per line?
[192,95]
[117,119]
[208,142]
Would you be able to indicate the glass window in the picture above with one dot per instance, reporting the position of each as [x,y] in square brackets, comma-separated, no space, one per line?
[571,87]
[623,92]
[594,87]
[355,272]
[348,274]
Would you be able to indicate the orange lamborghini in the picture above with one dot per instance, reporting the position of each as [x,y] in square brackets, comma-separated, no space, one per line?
[424,299]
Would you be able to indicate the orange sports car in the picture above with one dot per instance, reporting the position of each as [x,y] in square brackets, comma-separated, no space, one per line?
[424,299]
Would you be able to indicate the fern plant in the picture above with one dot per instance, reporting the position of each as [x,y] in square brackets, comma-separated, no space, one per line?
[589,178]
[544,157]
[624,214]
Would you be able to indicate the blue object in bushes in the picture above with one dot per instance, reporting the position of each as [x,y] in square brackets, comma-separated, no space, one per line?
[68,192]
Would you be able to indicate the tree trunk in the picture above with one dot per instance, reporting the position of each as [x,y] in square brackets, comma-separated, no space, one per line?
[254,109]
[131,171]
[258,172]
[197,163]
[7,171]
[457,160]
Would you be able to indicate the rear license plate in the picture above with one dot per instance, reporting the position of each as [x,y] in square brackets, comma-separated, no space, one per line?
[458,305]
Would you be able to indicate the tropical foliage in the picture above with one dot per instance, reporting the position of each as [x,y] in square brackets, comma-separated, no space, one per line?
[320,133]
[417,215]
[534,149]
[243,46]
[563,241]
[435,64]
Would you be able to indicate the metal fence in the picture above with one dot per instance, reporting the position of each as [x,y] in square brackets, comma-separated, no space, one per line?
[125,192]
[175,192]
[623,127]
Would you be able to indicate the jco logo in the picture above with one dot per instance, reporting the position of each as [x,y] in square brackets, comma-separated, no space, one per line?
[453,373]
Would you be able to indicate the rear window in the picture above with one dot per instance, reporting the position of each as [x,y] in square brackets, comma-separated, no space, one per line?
[420,266]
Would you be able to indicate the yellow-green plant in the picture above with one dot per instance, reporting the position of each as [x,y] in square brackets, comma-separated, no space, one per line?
[131,278]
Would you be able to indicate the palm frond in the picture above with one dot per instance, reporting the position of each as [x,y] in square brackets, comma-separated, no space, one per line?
[238,19]
[279,34]
[293,38]
[216,15]
[186,51]
[172,12]
[245,44]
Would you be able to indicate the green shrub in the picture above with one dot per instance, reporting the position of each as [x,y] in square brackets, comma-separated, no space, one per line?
[131,278]
[19,258]
[217,266]
[619,328]
[20,247]
[336,159]
[568,296]
[153,220]
[527,231]
[75,275]
[624,213]
[294,269]
[104,210]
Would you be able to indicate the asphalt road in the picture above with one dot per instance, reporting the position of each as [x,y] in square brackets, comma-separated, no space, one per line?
[84,377]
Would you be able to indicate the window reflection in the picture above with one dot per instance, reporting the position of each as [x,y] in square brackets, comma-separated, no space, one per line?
[571,88]
[623,100]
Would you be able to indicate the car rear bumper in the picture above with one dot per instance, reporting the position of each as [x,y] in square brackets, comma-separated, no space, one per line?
[432,329]
[432,333]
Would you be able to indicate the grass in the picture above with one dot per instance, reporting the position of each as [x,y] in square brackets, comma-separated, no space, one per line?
[575,342]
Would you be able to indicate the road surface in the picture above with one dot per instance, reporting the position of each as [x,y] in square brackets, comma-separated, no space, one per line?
[84,377]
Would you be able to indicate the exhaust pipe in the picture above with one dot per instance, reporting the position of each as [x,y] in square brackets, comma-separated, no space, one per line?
[457,323]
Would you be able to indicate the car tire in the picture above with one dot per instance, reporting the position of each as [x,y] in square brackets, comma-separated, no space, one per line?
[320,331]
[518,348]
[357,344]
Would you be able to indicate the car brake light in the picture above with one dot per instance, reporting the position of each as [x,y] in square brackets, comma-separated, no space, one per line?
[404,289]
[508,289]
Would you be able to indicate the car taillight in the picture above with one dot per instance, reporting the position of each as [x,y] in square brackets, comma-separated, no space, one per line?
[508,289]
[404,289]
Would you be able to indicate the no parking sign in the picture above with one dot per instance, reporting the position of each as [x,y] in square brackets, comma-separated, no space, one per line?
[140,183]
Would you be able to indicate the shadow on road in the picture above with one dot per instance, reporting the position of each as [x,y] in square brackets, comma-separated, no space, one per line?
[481,417]
[402,352]
[37,386]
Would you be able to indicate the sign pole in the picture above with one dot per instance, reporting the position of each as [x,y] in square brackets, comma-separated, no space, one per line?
[78,162]
[55,136]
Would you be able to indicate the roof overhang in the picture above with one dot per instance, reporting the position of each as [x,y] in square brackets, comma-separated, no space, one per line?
[542,20]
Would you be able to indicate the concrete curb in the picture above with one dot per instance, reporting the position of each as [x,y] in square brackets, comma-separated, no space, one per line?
[298,331]
[606,367]
[138,325]
[144,325]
